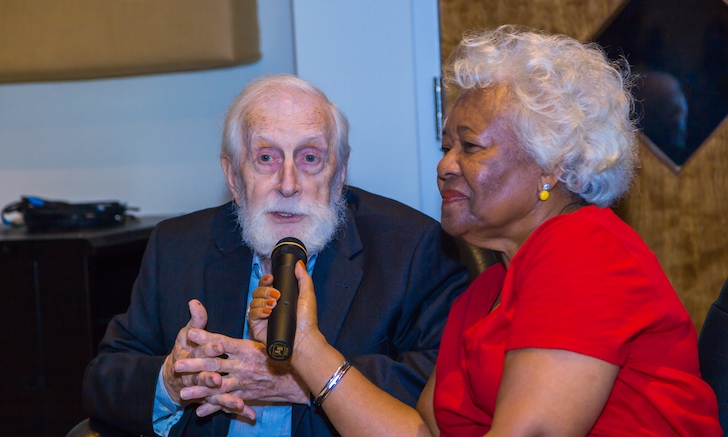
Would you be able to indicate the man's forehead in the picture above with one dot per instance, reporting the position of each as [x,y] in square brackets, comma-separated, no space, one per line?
[288,108]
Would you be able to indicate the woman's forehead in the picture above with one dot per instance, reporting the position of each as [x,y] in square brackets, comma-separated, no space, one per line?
[479,108]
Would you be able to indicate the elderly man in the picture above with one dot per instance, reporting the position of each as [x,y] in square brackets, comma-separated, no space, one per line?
[385,276]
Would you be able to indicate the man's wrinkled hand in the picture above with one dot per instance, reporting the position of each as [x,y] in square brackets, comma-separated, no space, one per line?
[185,347]
[246,372]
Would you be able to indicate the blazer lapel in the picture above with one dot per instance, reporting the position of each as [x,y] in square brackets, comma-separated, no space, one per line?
[336,278]
[226,290]
[226,281]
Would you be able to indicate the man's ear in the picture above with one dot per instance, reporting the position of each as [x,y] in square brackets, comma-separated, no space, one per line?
[231,177]
[341,177]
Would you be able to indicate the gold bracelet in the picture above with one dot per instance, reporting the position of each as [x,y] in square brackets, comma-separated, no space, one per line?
[332,383]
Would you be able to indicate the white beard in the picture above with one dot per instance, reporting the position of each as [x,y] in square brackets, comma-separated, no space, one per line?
[318,228]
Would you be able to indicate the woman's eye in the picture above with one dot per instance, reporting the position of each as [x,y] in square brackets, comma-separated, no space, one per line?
[266,158]
[310,158]
[467,146]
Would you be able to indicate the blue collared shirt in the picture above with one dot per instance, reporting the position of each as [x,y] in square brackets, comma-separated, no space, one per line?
[273,419]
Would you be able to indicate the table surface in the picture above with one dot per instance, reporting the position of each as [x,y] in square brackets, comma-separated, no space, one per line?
[132,229]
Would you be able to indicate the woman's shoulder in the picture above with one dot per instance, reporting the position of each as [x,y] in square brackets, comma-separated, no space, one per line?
[586,217]
[589,226]
[592,243]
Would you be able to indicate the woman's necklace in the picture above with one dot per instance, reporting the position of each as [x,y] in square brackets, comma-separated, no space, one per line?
[573,206]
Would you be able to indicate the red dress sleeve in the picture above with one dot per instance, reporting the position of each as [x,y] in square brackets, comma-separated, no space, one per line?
[577,288]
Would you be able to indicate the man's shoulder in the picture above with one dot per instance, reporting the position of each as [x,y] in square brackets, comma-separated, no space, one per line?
[204,221]
[366,205]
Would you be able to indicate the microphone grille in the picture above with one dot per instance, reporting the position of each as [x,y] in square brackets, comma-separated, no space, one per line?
[289,245]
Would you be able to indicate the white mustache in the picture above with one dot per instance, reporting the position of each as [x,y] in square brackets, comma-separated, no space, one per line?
[260,233]
[292,206]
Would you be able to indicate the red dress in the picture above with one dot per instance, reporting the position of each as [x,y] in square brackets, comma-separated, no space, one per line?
[587,283]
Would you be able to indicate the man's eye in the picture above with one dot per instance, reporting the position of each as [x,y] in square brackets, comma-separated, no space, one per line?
[469,145]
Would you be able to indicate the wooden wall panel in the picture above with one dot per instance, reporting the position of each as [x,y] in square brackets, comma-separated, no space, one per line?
[682,215]
[577,18]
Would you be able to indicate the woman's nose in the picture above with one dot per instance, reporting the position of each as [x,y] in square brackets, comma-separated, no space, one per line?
[448,166]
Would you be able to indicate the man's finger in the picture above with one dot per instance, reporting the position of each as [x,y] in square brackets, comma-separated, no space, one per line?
[228,403]
[200,336]
[209,379]
[195,365]
[198,314]
[206,409]
[198,392]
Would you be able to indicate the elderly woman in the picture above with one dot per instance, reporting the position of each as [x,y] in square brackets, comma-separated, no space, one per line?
[578,331]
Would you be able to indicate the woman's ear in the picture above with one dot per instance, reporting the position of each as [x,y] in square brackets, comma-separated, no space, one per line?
[549,180]
[552,179]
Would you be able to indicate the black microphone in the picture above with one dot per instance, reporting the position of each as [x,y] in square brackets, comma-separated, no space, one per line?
[282,321]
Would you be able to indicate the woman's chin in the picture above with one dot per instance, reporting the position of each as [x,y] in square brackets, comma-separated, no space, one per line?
[453,227]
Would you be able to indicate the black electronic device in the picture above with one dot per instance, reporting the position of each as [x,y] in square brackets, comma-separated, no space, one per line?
[282,321]
[42,215]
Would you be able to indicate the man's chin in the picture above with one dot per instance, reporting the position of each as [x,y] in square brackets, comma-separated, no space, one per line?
[263,244]
[280,231]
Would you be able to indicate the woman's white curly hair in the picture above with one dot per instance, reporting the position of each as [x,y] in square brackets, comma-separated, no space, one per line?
[572,106]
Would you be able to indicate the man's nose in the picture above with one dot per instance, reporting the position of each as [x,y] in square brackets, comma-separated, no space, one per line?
[289,179]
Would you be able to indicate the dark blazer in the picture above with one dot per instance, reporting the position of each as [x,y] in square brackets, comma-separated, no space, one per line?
[384,287]
[713,353]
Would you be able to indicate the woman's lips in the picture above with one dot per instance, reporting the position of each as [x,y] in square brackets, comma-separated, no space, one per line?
[449,196]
